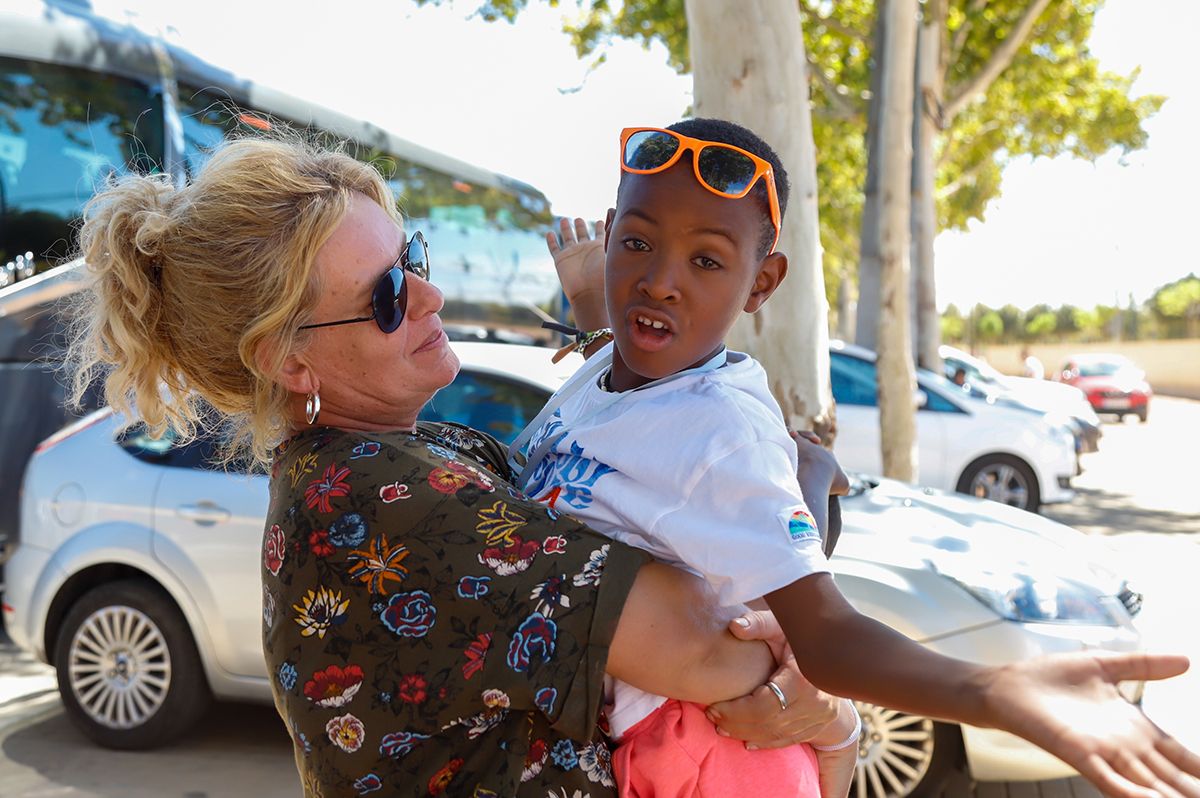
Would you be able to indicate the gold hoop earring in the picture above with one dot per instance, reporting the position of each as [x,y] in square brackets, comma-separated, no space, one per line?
[312,408]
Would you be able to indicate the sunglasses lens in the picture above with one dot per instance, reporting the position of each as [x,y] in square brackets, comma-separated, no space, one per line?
[390,300]
[416,256]
[649,149]
[725,170]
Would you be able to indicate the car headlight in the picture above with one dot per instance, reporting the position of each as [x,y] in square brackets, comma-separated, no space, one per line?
[1060,433]
[1041,599]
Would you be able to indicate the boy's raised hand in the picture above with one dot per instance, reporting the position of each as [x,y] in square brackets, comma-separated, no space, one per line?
[579,261]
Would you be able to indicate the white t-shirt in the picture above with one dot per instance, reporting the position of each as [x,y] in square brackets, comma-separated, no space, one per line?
[699,471]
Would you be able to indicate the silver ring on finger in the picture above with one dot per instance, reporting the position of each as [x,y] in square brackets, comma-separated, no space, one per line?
[774,688]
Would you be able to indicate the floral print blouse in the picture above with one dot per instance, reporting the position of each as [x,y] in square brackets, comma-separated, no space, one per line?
[429,630]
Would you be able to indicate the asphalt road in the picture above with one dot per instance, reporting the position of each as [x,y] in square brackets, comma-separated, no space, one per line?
[1140,492]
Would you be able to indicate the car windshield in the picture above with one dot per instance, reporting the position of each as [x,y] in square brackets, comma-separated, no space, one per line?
[977,370]
[1103,368]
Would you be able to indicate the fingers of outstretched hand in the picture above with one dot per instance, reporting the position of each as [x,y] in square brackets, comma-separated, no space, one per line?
[1142,667]
[552,243]
[581,231]
[1096,769]
[1136,769]
[1181,757]
[1173,776]
[600,229]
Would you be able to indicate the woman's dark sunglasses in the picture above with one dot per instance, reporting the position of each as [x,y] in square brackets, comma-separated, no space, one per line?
[389,299]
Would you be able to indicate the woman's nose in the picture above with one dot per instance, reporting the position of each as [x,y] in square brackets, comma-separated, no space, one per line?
[423,297]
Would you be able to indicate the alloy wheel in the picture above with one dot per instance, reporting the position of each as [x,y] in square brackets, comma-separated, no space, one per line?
[1002,483]
[119,667]
[894,752]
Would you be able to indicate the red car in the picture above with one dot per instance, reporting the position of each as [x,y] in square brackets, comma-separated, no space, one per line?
[1113,384]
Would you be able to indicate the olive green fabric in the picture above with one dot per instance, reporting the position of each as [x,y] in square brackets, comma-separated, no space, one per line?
[428,630]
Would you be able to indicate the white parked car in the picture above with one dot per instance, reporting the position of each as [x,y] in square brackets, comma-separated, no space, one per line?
[1053,398]
[999,451]
[137,576]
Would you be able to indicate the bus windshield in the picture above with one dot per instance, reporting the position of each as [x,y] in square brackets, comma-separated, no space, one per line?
[486,242]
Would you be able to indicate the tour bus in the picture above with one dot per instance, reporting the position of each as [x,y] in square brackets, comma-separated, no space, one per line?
[83,98]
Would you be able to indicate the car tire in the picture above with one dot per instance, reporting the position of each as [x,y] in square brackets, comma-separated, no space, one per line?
[1002,478]
[128,669]
[902,755]
[1143,414]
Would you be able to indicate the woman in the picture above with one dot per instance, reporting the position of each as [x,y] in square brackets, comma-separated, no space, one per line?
[404,582]
[427,629]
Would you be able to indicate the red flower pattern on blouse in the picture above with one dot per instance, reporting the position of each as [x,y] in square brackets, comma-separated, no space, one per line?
[334,686]
[476,653]
[331,484]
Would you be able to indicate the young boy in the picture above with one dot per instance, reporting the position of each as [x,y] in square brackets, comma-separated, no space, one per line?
[697,469]
[669,442]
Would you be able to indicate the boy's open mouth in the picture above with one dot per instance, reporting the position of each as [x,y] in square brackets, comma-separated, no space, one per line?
[649,332]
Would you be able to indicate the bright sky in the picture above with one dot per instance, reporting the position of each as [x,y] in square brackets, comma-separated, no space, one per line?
[516,99]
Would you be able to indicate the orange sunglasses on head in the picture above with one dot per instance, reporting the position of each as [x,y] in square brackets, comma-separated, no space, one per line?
[723,169]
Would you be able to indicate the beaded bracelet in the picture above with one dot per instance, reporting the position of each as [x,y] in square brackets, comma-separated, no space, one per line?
[849,741]
[582,339]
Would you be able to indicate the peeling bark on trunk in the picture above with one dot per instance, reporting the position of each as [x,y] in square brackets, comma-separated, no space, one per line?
[749,67]
[867,313]
[897,378]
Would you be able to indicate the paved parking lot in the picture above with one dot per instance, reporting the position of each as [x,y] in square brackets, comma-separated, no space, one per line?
[1139,492]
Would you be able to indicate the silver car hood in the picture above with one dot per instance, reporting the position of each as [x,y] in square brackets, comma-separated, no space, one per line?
[912,527]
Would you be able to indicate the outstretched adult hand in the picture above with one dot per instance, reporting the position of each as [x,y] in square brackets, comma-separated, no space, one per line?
[1069,705]
[579,261]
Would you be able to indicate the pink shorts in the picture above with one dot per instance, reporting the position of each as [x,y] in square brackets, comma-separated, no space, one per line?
[676,752]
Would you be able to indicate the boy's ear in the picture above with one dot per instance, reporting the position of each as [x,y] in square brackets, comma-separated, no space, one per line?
[608,220]
[771,272]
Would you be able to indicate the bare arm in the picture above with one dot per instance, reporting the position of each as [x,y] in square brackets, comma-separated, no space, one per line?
[672,640]
[1068,705]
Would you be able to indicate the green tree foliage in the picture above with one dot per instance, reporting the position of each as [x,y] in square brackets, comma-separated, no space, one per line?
[990,326]
[954,327]
[1172,311]
[1052,99]
[1040,326]
[1177,306]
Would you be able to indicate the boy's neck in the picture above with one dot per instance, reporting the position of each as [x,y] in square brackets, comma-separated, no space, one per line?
[622,378]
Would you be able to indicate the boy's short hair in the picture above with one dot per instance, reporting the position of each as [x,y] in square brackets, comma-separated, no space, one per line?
[725,132]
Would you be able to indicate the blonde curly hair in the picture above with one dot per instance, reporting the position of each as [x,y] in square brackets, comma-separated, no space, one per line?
[196,294]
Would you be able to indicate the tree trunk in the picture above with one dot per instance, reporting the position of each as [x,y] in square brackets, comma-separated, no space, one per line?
[847,307]
[897,379]
[749,67]
[926,125]
[867,312]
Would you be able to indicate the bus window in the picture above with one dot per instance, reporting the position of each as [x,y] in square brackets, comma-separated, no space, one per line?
[63,131]
[487,241]
[208,116]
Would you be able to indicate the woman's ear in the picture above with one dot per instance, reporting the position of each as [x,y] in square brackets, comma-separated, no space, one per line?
[294,373]
[297,377]
[771,272]
[608,220]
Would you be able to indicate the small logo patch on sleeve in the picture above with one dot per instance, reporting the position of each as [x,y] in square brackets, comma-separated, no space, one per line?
[800,525]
